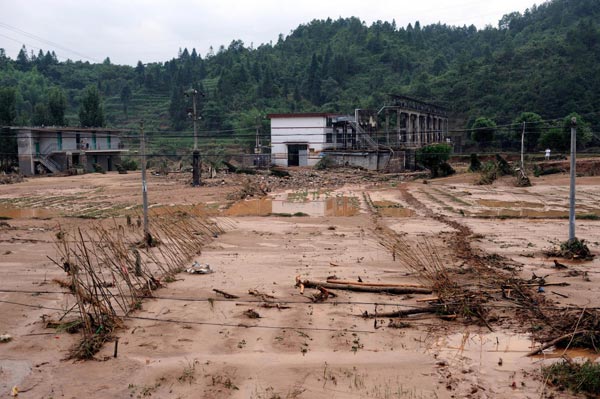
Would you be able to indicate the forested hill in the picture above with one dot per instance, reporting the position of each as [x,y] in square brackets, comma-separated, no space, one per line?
[545,60]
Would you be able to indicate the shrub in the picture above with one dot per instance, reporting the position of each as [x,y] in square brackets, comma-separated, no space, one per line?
[98,168]
[433,156]
[129,164]
[324,163]
[475,163]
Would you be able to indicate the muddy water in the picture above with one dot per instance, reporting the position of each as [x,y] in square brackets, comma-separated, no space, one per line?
[332,206]
[494,354]
[392,209]
[583,354]
[24,213]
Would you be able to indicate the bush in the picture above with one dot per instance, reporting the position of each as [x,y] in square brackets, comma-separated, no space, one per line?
[489,173]
[129,164]
[575,377]
[98,168]
[446,169]
[475,163]
[433,156]
[324,163]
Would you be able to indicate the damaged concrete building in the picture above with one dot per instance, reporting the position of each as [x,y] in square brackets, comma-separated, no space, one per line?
[384,139]
[55,150]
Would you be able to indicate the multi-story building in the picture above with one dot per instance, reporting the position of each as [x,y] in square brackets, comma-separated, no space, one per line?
[55,150]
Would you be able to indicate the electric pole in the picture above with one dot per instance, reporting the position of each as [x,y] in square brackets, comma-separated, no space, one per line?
[523,149]
[144,185]
[196,154]
[572,189]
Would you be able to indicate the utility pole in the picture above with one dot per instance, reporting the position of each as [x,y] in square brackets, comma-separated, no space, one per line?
[144,185]
[572,189]
[523,148]
[196,154]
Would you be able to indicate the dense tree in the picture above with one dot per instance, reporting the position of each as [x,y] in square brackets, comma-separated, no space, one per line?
[57,105]
[544,60]
[125,97]
[40,115]
[533,125]
[433,157]
[178,113]
[559,136]
[8,111]
[483,130]
[91,113]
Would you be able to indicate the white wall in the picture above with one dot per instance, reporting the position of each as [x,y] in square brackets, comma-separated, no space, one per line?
[308,130]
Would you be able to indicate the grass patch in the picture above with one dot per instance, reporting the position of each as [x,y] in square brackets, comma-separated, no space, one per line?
[584,378]
[588,216]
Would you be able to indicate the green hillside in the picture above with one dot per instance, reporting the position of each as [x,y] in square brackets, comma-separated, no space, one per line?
[545,61]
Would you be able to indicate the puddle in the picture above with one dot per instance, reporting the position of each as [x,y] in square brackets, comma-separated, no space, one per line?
[583,354]
[392,209]
[284,206]
[509,204]
[486,350]
[24,213]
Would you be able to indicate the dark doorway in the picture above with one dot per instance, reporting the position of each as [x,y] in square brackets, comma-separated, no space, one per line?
[297,154]
[109,164]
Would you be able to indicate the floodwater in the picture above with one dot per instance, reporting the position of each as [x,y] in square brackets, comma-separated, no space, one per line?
[292,205]
[392,209]
[24,213]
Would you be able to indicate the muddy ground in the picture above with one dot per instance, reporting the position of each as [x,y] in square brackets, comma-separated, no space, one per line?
[189,342]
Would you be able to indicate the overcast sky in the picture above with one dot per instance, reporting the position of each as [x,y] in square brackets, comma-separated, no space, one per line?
[154,30]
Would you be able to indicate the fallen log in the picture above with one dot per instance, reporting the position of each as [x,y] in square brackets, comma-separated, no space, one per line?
[429,299]
[361,288]
[348,282]
[225,294]
[555,341]
[402,313]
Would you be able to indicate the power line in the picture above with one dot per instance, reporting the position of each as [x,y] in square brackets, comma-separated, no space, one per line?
[42,40]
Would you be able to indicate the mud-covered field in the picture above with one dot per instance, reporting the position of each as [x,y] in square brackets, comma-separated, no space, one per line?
[191,342]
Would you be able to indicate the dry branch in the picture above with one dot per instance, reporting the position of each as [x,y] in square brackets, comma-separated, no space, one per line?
[364,284]
[362,288]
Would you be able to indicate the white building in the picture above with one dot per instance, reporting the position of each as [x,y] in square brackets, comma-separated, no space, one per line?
[299,139]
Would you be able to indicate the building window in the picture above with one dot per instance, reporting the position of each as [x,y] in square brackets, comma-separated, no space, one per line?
[329,137]
[108,141]
[94,141]
[59,143]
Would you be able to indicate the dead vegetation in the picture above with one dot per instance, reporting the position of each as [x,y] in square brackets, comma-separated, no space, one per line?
[571,249]
[110,274]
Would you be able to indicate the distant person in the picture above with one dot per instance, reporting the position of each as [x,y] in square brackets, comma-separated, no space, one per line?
[547,153]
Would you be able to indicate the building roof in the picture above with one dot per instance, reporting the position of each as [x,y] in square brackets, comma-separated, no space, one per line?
[302,115]
[65,129]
